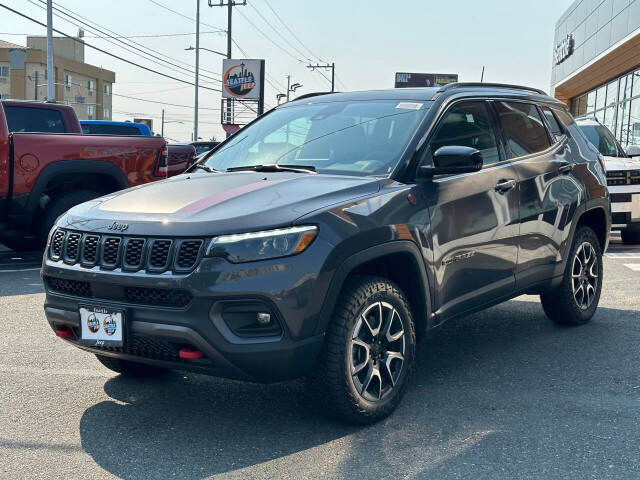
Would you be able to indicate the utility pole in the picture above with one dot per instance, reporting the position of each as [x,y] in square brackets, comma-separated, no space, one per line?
[288,86]
[482,75]
[51,94]
[195,110]
[162,128]
[327,66]
[230,4]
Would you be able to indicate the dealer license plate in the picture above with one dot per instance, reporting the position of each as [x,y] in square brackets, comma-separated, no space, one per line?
[101,326]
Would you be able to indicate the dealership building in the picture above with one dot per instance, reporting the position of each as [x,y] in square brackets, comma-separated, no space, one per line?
[596,64]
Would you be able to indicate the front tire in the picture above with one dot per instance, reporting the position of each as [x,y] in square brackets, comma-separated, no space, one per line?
[575,300]
[130,369]
[369,350]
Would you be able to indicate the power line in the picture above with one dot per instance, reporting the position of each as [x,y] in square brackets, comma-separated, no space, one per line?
[111,34]
[269,38]
[277,32]
[105,52]
[160,35]
[184,16]
[291,31]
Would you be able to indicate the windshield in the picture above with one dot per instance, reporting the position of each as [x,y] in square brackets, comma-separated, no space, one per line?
[602,139]
[349,138]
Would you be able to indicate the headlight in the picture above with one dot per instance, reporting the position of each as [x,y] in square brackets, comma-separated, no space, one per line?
[248,247]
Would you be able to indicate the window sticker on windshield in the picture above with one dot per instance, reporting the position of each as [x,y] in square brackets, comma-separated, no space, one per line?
[410,105]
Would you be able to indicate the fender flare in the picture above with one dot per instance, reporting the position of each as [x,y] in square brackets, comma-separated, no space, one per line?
[350,263]
[65,167]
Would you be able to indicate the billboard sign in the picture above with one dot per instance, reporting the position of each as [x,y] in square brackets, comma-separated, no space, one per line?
[413,80]
[243,79]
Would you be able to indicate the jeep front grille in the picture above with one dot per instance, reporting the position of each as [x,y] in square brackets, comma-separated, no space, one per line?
[161,297]
[154,255]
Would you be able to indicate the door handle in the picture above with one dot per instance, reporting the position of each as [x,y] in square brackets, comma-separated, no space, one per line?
[565,168]
[505,185]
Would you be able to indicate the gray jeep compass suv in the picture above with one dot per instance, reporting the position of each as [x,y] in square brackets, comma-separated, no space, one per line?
[325,238]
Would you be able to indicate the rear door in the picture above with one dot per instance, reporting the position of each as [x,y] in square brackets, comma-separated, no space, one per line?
[548,193]
[474,216]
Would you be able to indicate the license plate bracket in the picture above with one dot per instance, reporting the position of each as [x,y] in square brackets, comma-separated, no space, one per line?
[101,326]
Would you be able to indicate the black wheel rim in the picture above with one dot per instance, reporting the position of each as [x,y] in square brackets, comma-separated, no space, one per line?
[377,351]
[584,275]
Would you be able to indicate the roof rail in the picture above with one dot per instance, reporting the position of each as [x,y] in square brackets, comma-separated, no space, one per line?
[452,86]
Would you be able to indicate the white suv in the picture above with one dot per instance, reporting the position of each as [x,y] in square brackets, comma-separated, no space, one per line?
[623,178]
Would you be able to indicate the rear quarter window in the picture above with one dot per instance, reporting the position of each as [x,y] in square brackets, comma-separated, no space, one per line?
[33,119]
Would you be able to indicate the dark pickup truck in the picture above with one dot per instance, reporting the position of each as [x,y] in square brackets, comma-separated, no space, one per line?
[47,166]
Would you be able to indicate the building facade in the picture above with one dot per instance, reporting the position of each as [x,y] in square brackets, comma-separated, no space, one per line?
[87,88]
[596,64]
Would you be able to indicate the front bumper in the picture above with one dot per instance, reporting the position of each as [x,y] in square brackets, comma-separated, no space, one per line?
[154,334]
[625,206]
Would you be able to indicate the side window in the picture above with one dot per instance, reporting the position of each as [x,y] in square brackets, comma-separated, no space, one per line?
[468,125]
[556,130]
[28,119]
[522,127]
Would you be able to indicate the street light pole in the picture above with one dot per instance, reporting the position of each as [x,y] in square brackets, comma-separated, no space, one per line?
[195,111]
[51,94]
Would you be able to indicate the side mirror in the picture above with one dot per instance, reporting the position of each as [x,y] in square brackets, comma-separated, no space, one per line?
[633,150]
[453,159]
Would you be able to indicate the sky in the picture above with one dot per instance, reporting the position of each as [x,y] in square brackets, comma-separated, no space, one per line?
[369,40]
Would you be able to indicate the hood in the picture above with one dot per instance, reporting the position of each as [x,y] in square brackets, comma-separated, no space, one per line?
[204,204]
[620,163]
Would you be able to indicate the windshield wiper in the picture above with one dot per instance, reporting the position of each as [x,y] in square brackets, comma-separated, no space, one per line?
[204,167]
[272,167]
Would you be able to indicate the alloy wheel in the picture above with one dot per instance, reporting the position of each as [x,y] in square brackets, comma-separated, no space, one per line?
[584,275]
[377,351]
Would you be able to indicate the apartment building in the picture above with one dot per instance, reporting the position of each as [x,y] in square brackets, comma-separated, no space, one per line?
[87,88]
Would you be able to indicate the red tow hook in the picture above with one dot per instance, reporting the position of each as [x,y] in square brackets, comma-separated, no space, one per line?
[64,332]
[190,354]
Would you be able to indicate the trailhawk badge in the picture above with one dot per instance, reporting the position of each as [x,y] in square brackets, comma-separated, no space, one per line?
[121,227]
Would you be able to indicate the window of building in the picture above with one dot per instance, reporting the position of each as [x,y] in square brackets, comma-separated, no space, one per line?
[468,125]
[106,89]
[91,86]
[91,111]
[67,81]
[4,71]
[29,119]
[601,97]
[636,84]
[523,128]
[106,113]
[634,123]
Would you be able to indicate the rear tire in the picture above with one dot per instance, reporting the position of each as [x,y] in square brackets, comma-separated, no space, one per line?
[367,358]
[131,369]
[575,300]
[630,237]
[57,208]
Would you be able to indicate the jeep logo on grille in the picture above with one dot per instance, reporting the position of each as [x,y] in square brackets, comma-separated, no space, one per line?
[121,227]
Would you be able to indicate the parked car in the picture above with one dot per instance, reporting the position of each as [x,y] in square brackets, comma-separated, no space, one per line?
[108,127]
[181,157]
[623,178]
[331,234]
[44,170]
[204,147]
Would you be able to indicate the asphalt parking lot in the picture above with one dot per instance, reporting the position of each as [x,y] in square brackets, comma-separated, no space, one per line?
[500,394]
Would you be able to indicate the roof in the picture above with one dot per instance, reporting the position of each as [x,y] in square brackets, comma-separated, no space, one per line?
[142,127]
[5,44]
[424,94]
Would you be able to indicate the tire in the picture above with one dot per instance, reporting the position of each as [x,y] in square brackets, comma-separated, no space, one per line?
[630,237]
[351,397]
[57,208]
[131,369]
[565,304]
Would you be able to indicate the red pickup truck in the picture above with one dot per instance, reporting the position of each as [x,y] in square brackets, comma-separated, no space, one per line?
[47,166]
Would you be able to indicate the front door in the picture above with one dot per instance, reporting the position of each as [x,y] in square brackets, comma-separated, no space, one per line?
[474,217]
